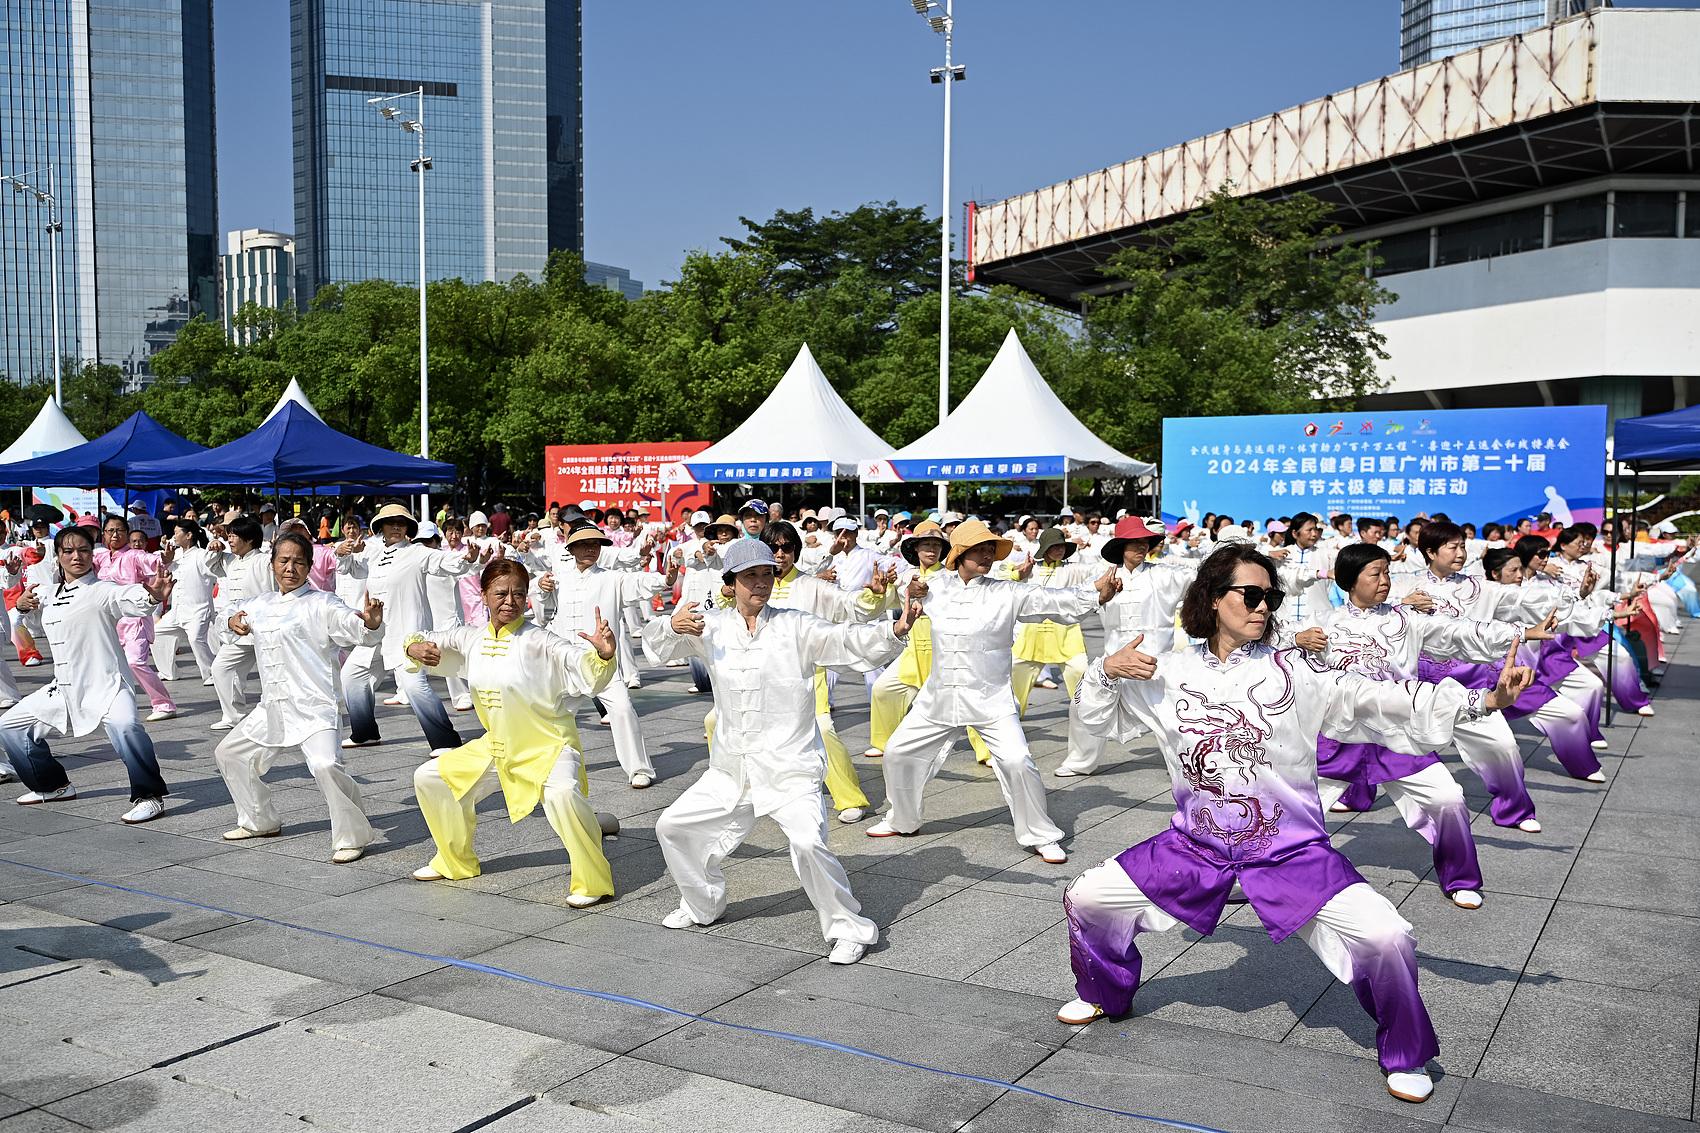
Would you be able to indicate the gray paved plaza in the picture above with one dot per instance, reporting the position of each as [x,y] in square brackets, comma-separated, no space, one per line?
[1570,1002]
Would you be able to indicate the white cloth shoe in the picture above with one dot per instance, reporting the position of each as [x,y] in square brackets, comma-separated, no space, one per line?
[426,873]
[145,811]
[583,900]
[634,682]
[1077,1012]
[1597,777]
[1046,683]
[463,703]
[873,753]
[395,701]
[1530,826]
[1052,853]
[1599,745]
[159,714]
[32,798]
[34,661]
[1466,899]
[847,952]
[641,780]
[349,854]
[1065,773]
[678,918]
[242,834]
[852,814]
[884,829]
[1645,710]
[222,726]
[360,743]
[692,689]
[1410,1085]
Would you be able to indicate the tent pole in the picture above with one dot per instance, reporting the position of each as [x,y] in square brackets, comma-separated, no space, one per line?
[861,499]
[835,487]
[1065,484]
[1611,622]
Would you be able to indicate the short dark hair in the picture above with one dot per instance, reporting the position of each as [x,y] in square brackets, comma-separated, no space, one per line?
[1198,607]
[1528,546]
[249,528]
[1339,518]
[1493,531]
[1495,559]
[1437,535]
[1570,534]
[1365,522]
[293,539]
[1352,560]
[780,532]
[1300,519]
[115,518]
[88,534]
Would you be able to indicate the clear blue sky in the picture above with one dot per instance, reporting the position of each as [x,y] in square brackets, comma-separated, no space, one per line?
[699,111]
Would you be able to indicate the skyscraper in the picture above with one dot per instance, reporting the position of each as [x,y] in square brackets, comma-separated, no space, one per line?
[117,97]
[503,128]
[258,268]
[1434,29]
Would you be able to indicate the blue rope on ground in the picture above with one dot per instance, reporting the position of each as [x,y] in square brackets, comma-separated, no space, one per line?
[624,1000]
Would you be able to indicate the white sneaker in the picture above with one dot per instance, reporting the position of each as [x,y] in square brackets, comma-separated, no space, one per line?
[1077,1012]
[1067,773]
[145,811]
[641,780]
[350,854]
[847,952]
[1530,826]
[1410,1085]
[352,743]
[884,829]
[31,798]
[583,900]
[1597,777]
[1467,899]
[159,714]
[852,814]
[1600,745]
[1645,710]
[1051,852]
[463,703]
[222,726]
[678,918]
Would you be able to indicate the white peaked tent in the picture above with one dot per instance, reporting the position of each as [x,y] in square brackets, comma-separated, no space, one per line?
[296,394]
[803,431]
[1011,426]
[50,432]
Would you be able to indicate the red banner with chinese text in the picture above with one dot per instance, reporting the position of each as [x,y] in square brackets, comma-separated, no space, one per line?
[619,476]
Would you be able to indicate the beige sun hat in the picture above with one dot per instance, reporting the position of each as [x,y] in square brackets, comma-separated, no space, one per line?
[971,533]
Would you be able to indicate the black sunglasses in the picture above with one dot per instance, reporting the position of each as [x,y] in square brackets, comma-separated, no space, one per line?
[1256,596]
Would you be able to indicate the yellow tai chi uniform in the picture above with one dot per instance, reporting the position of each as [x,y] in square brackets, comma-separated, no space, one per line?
[524,680]
[1038,644]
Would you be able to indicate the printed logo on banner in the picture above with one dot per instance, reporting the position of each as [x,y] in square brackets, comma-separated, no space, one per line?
[1479,465]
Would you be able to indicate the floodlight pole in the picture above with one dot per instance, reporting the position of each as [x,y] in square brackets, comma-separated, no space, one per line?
[947,75]
[419,165]
[54,226]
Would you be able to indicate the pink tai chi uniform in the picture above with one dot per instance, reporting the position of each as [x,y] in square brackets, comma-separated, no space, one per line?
[125,567]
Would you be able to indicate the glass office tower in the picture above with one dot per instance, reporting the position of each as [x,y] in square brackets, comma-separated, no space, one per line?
[117,97]
[503,130]
[1434,29]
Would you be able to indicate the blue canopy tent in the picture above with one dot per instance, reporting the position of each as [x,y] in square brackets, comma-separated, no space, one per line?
[293,449]
[104,462]
[1662,442]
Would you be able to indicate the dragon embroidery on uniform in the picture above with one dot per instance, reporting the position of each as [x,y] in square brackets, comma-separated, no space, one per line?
[1224,764]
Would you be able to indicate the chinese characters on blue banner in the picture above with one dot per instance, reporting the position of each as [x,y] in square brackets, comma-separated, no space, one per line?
[1481,465]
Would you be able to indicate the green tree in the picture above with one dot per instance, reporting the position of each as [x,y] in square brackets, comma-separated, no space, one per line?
[95,398]
[19,407]
[1242,306]
[897,247]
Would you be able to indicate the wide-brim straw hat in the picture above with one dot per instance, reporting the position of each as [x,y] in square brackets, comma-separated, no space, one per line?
[910,547]
[589,533]
[395,511]
[728,522]
[1053,537]
[1128,529]
[970,533]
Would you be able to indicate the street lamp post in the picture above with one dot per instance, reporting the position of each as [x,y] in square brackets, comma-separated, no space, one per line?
[416,127]
[946,76]
[48,197]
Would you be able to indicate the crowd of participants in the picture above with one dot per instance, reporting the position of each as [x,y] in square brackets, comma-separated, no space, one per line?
[1285,671]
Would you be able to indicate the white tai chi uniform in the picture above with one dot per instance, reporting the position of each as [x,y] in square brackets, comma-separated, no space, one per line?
[1146,604]
[766,757]
[190,618]
[240,577]
[442,592]
[579,595]
[296,640]
[973,626]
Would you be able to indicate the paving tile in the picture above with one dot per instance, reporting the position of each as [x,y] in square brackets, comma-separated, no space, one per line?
[99,905]
[1495,1107]
[1500,934]
[1631,1049]
[1630,880]
[1236,980]
[155,1101]
[1649,951]
[961,934]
